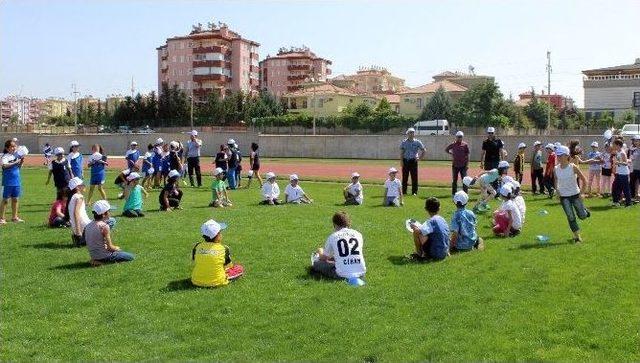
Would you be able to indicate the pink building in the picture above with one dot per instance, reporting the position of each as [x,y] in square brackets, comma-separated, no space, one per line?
[214,59]
[26,110]
[290,69]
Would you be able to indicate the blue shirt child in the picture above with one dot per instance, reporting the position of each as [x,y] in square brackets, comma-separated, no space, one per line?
[463,223]
[437,230]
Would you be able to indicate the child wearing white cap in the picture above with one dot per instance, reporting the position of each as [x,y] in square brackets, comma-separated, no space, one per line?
[270,190]
[537,170]
[463,226]
[11,160]
[621,177]
[212,260]
[147,168]
[171,194]
[606,170]
[294,194]
[353,193]
[548,179]
[75,159]
[97,163]
[60,169]
[519,200]
[132,155]
[220,198]
[566,175]
[507,219]
[594,159]
[121,180]
[518,162]
[392,190]
[343,252]
[97,235]
[133,193]
[486,180]
[78,217]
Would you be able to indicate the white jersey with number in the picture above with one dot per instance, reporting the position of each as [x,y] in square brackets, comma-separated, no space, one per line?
[346,248]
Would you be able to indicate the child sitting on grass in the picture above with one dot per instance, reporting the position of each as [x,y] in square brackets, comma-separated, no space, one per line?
[463,226]
[97,235]
[392,190]
[507,219]
[518,199]
[270,190]
[294,194]
[213,266]
[431,239]
[57,216]
[133,192]
[219,190]
[353,192]
[343,252]
[171,195]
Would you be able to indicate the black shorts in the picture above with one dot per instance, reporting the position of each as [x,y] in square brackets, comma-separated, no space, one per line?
[606,172]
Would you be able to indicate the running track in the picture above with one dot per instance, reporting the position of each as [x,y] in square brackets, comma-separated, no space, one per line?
[315,169]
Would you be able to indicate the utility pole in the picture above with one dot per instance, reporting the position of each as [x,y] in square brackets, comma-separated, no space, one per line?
[132,88]
[549,88]
[75,105]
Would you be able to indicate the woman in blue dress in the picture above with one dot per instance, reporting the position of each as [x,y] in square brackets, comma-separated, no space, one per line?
[98,164]
[75,159]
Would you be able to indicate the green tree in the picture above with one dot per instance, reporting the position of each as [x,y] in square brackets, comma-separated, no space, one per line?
[384,107]
[439,107]
[478,105]
[538,113]
[605,120]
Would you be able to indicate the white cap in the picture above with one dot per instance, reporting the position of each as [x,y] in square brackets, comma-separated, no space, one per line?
[126,171]
[231,142]
[159,141]
[250,173]
[355,175]
[459,134]
[22,151]
[550,146]
[58,151]
[75,182]
[515,184]
[562,150]
[607,134]
[556,144]
[74,143]
[174,173]
[506,189]
[217,171]
[133,176]
[491,130]
[595,144]
[537,142]
[467,180]
[101,207]
[194,133]
[15,139]
[461,197]
[410,129]
[522,145]
[393,170]
[270,175]
[503,164]
[96,156]
[174,144]
[211,228]
[134,143]
[293,177]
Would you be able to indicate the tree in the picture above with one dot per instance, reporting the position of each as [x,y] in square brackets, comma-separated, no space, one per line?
[439,107]
[538,113]
[384,107]
[477,106]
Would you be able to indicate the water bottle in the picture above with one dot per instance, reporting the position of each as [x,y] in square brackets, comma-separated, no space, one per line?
[543,238]
[543,212]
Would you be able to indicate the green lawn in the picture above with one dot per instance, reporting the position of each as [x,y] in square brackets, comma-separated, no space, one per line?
[517,300]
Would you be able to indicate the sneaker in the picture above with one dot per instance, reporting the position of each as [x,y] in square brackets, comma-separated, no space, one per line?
[3,221]
[416,257]
[577,240]
[234,272]
[17,220]
[414,194]
[615,204]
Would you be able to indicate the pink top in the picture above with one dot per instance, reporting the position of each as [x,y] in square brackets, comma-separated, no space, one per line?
[53,214]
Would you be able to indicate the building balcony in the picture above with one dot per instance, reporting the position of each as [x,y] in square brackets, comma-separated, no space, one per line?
[210,77]
[212,49]
[297,77]
[298,67]
[164,56]
[211,63]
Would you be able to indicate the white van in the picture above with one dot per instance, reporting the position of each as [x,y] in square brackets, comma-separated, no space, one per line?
[432,127]
[630,130]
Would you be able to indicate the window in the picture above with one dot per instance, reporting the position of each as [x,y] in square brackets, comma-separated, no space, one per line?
[181,45]
[181,85]
[174,59]
[173,72]
[190,71]
[419,103]
[320,102]
[304,103]
[188,84]
[179,72]
[181,59]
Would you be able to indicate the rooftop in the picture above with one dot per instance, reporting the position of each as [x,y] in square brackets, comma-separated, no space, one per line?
[322,89]
[625,67]
[433,87]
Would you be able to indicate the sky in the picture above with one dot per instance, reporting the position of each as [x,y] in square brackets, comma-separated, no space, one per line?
[46,46]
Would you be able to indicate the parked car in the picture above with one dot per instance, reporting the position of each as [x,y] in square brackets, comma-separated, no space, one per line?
[124,130]
[630,130]
[432,127]
[146,130]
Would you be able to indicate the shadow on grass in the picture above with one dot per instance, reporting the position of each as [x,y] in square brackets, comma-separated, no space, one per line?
[51,246]
[311,275]
[73,266]
[179,285]
[601,207]
[537,245]
[405,260]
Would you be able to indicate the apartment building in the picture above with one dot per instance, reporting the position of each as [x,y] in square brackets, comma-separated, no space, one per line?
[209,59]
[325,99]
[288,70]
[610,89]
[372,79]
[25,110]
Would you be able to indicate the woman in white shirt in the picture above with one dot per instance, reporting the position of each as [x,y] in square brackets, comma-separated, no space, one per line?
[566,183]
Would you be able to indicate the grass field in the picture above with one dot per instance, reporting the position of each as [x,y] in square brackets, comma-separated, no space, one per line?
[517,300]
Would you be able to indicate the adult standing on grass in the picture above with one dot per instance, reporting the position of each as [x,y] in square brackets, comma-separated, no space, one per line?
[459,151]
[492,152]
[234,161]
[566,183]
[537,170]
[194,145]
[411,150]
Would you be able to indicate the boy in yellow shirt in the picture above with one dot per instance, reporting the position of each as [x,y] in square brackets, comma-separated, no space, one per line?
[213,266]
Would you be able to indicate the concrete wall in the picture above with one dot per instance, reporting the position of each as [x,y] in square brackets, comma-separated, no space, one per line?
[297,146]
